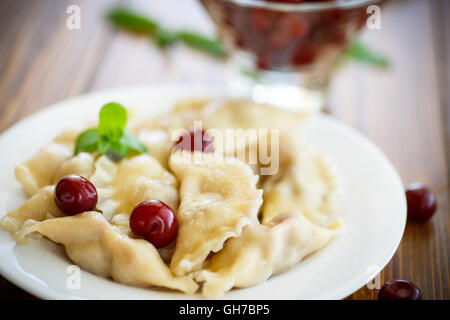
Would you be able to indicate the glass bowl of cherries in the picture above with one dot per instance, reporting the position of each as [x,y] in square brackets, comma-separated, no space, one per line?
[283,51]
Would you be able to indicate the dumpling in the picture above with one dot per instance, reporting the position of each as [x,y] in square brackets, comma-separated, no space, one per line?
[262,251]
[158,144]
[82,164]
[40,170]
[224,114]
[39,207]
[141,178]
[122,185]
[156,132]
[182,116]
[219,115]
[98,247]
[218,197]
[258,130]
[249,115]
[122,222]
[308,184]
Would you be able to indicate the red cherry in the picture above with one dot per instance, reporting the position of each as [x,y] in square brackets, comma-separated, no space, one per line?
[399,290]
[264,61]
[278,40]
[295,25]
[155,221]
[74,194]
[306,54]
[195,141]
[334,16]
[421,202]
[260,19]
[290,27]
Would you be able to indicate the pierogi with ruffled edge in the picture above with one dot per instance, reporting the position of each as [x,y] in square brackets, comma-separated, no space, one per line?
[236,227]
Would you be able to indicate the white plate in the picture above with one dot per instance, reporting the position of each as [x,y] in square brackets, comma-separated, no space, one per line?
[373,207]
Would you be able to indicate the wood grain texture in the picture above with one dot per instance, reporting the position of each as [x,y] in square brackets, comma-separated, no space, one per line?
[42,60]
[404,110]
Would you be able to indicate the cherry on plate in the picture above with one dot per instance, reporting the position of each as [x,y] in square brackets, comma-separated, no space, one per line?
[155,221]
[399,290]
[74,194]
[421,202]
[195,141]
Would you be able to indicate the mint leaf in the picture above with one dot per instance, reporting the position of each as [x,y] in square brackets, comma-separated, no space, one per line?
[104,145]
[252,74]
[196,40]
[87,141]
[110,138]
[112,120]
[132,21]
[360,52]
[132,143]
[165,37]
[135,22]
[114,150]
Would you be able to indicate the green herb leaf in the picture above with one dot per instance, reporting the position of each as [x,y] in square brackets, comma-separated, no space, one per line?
[132,21]
[112,120]
[115,150]
[104,145]
[360,52]
[110,138]
[132,143]
[198,41]
[135,22]
[165,37]
[252,74]
[87,141]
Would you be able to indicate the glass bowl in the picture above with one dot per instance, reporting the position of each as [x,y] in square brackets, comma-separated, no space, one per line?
[284,53]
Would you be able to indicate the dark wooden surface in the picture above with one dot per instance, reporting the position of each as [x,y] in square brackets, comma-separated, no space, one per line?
[404,110]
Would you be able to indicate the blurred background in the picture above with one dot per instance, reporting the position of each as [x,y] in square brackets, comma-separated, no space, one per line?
[403,108]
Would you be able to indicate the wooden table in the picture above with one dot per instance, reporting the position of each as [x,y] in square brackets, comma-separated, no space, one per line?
[404,110]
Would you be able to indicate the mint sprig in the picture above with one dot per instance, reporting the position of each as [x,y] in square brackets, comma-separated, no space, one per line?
[110,137]
[87,141]
[112,120]
[138,23]
[201,42]
[132,21]
[360,52]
